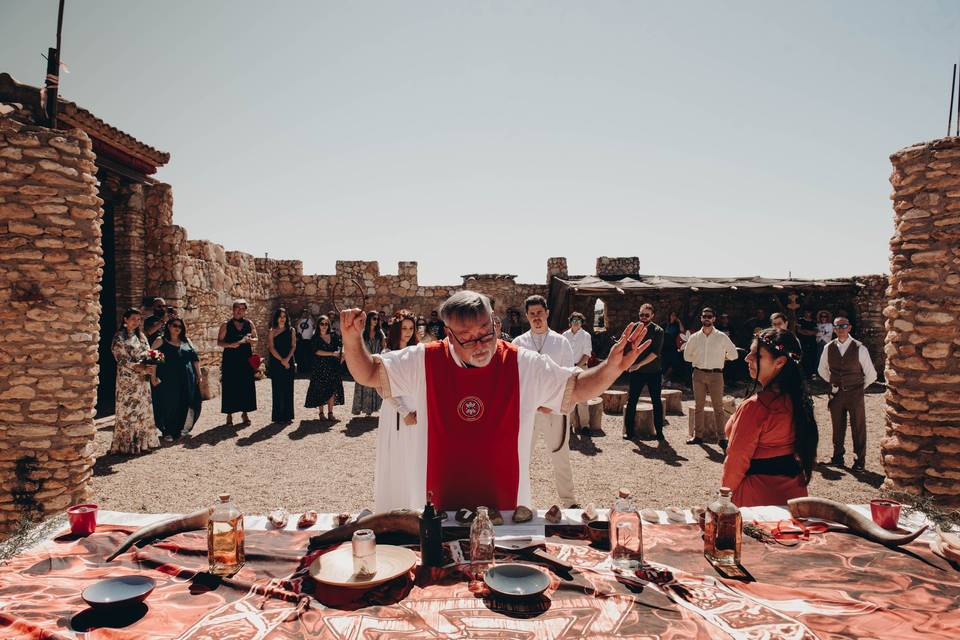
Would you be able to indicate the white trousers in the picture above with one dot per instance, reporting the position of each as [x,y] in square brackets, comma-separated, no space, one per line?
[551,428]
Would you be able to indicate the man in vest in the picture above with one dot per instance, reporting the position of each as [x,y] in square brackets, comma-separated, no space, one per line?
[476,397]
[846,365]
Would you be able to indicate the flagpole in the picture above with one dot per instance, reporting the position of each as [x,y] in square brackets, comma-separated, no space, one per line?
[52,82]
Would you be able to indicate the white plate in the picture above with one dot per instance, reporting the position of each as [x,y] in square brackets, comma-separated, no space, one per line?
[335,567]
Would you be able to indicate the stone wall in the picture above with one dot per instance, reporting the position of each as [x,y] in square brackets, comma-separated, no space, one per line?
[50,267]
[607,266]
[921,453]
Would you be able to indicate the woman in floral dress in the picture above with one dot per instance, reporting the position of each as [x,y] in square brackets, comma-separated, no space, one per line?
[134,429]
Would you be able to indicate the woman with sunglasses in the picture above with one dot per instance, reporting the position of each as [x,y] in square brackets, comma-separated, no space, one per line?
[366,400]
[326,383]
[773,434]
[178,394]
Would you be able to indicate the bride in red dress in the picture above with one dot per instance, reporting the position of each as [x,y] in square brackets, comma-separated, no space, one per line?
[773,434]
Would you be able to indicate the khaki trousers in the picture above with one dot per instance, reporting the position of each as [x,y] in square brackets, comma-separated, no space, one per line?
[583,413]
[849,402]
[708,383]
[551,428]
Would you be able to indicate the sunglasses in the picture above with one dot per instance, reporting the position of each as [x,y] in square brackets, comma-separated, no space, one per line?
[841,326]
[576,322]
[324,324]
[708,317]
[645,315]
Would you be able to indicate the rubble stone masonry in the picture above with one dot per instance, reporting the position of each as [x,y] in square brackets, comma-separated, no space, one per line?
[50,268]
[921,452]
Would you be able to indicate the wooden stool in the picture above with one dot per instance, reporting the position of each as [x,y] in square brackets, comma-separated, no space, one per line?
[595,407]
[614,402]
[692,420]
[643,421]
[672,401]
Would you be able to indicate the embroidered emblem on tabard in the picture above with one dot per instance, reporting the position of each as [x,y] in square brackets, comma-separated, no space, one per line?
[470,409]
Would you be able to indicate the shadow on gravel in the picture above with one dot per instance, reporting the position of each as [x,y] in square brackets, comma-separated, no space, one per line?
[212,437]
[104,466]
[264,433]
[359,426]
[585,443]
[663,451]
[828,472]
[310,427]
[871,478]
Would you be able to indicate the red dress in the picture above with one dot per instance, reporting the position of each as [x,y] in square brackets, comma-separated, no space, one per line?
[762,427]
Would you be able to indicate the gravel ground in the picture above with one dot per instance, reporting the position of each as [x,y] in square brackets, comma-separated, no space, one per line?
[328,466]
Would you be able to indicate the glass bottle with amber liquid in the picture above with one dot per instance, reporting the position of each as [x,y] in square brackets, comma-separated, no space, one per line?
[225,538]
[722,530]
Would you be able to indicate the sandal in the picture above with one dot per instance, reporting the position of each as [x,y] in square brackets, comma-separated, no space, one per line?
[230,420]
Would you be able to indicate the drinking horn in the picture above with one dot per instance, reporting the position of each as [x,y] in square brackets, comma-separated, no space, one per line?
[178,524]
[857,523]
[392,523]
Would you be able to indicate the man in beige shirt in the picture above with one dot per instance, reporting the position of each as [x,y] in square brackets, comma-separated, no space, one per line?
[707,350]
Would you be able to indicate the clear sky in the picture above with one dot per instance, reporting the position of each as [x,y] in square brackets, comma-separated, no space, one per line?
[708,138]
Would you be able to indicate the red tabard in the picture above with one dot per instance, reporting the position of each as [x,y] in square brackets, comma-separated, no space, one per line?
[473,418]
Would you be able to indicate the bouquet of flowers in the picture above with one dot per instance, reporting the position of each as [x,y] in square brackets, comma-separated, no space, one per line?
[152,357]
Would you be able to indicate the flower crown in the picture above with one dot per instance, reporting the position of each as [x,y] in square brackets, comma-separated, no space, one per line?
[779,348]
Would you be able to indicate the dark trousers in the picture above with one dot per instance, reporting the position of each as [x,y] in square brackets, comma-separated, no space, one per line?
[639,380]
[849,402]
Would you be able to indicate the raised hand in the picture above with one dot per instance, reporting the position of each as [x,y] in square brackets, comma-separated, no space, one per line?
[629,347]
[352,322]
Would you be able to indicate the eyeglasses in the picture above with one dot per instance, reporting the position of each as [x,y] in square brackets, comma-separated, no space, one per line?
[470,344]
[841,326]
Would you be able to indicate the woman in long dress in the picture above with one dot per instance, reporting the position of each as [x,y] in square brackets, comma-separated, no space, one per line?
[134,429]
[366,400]
[326,384]
[399,479]
[178,394]
[283,344]
[238,385]
[773,434]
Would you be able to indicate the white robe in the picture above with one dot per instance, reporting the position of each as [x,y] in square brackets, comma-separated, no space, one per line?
[401,458]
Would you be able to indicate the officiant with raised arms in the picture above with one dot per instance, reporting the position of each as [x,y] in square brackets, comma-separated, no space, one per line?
[477,397]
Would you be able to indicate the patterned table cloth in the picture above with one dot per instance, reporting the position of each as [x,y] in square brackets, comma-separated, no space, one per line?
[834,585]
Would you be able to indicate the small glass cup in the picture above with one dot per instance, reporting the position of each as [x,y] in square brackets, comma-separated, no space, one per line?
[364,553]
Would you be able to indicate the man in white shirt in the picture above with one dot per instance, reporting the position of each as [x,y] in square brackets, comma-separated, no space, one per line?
[582,345]
[551,427]
[477,397]
[707,350]
[846,365]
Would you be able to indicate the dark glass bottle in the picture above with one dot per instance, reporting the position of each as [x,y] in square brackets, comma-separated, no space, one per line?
[431,535]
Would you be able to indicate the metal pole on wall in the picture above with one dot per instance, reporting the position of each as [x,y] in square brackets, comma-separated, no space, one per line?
[52,82]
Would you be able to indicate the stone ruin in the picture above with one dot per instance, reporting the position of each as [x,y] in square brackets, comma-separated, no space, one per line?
[86,231]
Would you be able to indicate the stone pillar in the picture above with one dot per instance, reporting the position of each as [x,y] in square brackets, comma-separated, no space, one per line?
[607,266]
[129,224]
[50,269]
[556,267]
[921,453]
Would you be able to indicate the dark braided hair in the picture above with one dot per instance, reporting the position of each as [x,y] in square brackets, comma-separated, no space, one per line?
[790,381]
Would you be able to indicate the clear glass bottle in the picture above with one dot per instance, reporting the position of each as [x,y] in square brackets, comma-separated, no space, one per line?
[722,530]
[482,539]
[626,532]
[225,538]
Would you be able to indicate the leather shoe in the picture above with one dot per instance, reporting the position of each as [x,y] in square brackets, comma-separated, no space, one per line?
[723,443]
[859,465]
[695,440]
[836,461]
